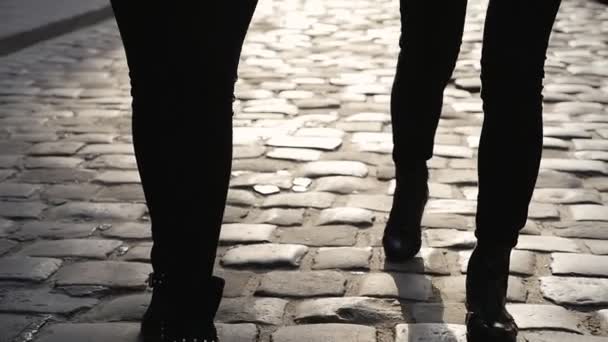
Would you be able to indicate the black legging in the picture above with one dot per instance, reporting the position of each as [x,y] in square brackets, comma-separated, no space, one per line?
[183,59]
[515,41]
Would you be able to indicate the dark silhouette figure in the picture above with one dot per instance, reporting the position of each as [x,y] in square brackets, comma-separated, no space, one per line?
[515,42]
[183,59]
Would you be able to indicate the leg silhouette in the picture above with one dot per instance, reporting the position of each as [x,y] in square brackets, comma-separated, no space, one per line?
[516,37]
[183,61]
[430,42]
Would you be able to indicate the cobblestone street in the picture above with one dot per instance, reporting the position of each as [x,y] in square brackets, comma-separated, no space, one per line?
[311,188]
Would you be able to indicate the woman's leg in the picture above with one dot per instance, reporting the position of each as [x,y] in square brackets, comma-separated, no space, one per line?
[516,37]
[431,34]
[183,61]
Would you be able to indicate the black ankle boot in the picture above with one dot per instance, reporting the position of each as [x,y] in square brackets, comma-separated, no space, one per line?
[181,311]
[402,235]
[487,318]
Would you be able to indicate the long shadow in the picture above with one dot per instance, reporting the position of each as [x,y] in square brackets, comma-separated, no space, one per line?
[413,280]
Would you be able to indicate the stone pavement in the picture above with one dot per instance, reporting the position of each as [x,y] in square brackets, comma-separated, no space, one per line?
[310,191]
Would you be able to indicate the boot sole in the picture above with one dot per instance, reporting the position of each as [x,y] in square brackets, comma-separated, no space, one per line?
[490,336]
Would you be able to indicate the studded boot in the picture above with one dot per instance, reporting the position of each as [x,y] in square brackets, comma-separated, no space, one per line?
[180,311]
[487,319]
[402,234]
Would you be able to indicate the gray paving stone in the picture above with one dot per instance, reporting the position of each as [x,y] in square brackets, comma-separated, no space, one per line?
[451,206]
[591,144]
[427,260]
[334,167]
[128,230]
[261,165]
[356,310]
[430,332]
[599,183]
[253,151]
[438,312]
[114,177]
[372,202]
[542,316]
[321,143]
[241,197]
[113,161]
[26,268]
[43,301]
[251,310]
[599,247]
[325,332]
[567,196]
[12,325]
[123,308]
[319,236]
[301,284]
[432,220]
[243,332]
[554,336]
[99,149]
[140,252]
[449,238]
[9,161]
[268,254]
[574,165]
[602,315]
[452,151]
[77,192]
[121,193]
[31,230]
[75,248]
[395,285]
[582,229]
[452,289]
[99,211]
[579,264]
[113,274]
[237,283]
[18,190]
[547,244]
[543,211]
[56,176]
[589,212]
[343,184]
[319,200]
[319,132]
[296,154]
[281,217]
[93,332]
[454,176]
[56,148]
[21,210]
[557,179]
[342,258]
[246,233]
[266,189]
[522,262]
[575,291]
[4,174]
[283,181]
[347,215]
[6,246]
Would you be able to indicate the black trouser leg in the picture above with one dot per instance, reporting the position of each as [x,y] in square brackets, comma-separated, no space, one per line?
[431,34]
[516,37]
[183,61]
